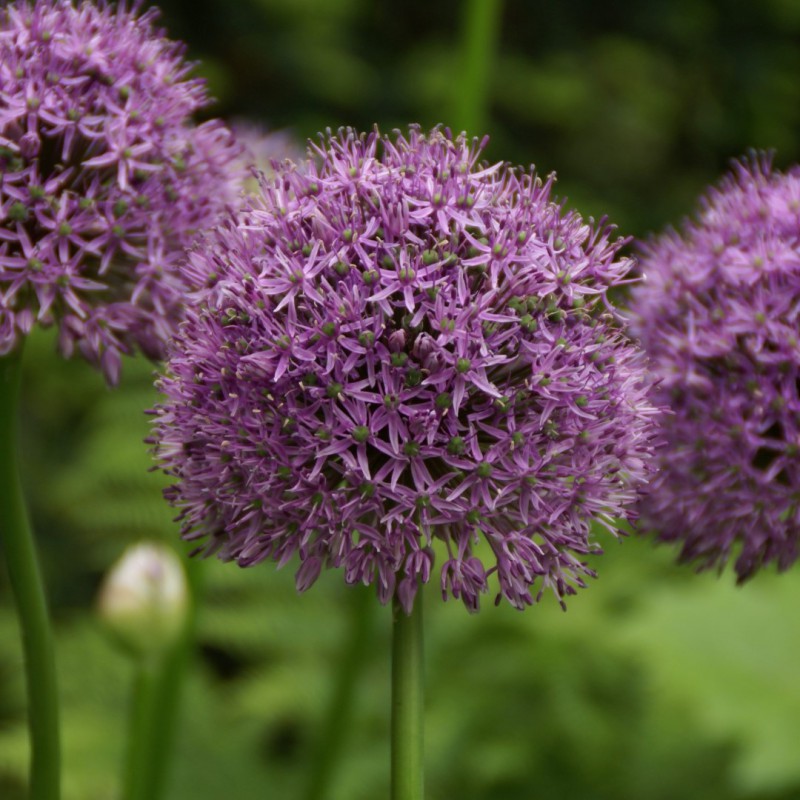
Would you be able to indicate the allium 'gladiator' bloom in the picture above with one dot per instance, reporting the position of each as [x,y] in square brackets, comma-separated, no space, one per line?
[103,178]
[719,314]
[262,147]
[403,349]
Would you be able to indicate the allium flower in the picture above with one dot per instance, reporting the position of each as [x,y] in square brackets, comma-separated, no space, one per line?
[719,314]
[403,350]
[103,178]
[261,147]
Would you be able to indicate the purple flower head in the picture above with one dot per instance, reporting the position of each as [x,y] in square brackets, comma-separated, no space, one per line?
[719,314]
[406,350]
[104,180]
[261,147]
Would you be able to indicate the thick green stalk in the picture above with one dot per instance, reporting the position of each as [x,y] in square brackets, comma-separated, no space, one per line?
[28,589]
[407,703]
[340,709]
[481,26]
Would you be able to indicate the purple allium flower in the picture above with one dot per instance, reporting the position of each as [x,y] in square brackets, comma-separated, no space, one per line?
[403,350]
[103,178]
[262,147]
[719,313]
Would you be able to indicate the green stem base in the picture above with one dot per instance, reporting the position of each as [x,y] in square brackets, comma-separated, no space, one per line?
[29,595]
[407,703]
[155,707]
[339,714]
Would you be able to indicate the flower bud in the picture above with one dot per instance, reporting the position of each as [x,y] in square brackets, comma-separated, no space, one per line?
[397,341]
[29,145]
[144,599]
[424,345]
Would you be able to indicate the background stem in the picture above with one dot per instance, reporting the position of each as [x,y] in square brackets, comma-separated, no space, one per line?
[340,709]
[143,709]
[407,703]
[29,595]
[481,26]
[155,705]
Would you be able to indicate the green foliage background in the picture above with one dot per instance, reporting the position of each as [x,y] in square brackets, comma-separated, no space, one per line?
[657,683]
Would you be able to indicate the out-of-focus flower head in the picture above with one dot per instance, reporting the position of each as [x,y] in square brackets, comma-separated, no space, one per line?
[404,348]
[719,314]
[262,147]
[104,180]
[144,599]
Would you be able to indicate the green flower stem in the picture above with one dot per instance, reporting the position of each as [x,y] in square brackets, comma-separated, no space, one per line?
[155,705]
[481,27]
[340,710]
[142,717]
[407,703]
[28,589]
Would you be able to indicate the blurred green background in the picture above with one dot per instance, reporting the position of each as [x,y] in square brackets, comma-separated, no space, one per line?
[657,683]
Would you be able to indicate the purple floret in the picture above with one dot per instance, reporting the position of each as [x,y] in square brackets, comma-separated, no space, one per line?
[104,180]
[719,314]
[404,349]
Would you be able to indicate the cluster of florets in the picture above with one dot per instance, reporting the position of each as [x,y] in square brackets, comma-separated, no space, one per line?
[719,314]
[403,349]
[103,178]
[262,147]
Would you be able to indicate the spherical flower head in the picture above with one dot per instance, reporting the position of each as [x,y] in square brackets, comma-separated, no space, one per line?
[718,315]
[405,351]
[104,180]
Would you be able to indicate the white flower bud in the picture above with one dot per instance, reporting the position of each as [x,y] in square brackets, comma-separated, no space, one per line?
[144,599]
